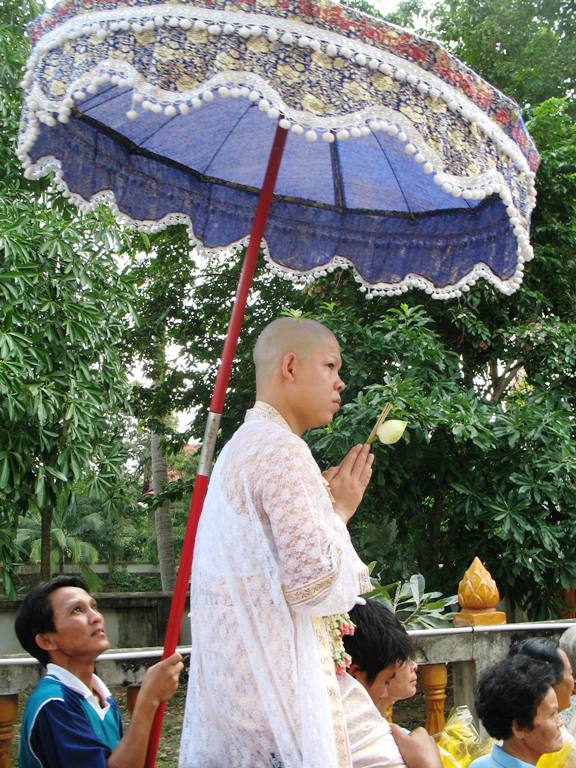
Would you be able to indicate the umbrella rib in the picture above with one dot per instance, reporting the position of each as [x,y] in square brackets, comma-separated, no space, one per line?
[393,172]
[337,177]
[160,127]
[134,148]
[119,93]
[225,139]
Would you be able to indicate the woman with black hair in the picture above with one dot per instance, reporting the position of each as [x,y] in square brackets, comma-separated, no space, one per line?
[548,653]
[516,703]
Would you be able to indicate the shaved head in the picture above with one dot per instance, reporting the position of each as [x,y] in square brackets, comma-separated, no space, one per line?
[287,334]
[297,372]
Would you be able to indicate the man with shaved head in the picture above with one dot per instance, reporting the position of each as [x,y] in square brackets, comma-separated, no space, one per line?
[273,558]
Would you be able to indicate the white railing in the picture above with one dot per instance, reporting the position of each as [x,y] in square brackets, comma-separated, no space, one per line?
[468,651]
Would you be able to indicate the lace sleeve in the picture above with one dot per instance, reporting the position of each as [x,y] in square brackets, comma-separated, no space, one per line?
[311,541]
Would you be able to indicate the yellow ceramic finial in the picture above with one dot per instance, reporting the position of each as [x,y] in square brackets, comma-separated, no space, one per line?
[477,590]
[478,596]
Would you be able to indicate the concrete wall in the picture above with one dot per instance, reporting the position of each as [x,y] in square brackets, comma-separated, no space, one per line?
[133,620]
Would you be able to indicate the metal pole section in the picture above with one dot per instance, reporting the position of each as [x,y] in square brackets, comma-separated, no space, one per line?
[216,406]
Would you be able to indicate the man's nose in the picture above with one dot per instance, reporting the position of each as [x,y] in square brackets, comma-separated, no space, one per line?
[95,615]
[340,386]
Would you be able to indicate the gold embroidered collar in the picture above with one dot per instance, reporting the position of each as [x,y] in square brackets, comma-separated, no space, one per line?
[262,410]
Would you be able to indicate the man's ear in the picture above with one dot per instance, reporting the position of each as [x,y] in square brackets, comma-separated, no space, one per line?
[288,364]
[358,674]
[517,731]
[45,641]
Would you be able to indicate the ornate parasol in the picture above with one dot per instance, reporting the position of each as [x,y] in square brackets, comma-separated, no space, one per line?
[400,161]
[351,142]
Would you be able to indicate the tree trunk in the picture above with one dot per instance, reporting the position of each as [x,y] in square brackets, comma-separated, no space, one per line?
[500,384]
[162,517]
[46,528]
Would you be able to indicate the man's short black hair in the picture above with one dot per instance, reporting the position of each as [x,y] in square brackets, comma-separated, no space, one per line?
[35,615]
[544,650]
[510,692]
[379,640]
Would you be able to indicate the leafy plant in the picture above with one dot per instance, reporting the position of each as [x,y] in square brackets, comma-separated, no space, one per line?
[412,605]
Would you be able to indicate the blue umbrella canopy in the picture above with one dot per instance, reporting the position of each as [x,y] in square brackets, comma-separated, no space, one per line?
[400,162]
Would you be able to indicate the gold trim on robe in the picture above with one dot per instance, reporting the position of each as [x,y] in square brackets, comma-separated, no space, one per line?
[333,689]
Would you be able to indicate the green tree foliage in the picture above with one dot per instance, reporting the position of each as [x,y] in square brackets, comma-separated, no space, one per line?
[527,48]
[211,302]
[124,530]
[63,307]
[164,270]
[408,13]
[471,476]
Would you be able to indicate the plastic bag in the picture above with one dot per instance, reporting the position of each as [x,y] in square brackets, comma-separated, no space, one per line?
[459,743]
[564,758]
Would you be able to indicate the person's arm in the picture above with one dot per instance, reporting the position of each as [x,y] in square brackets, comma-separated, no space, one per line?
[159,684]
[418,748]
[320,570]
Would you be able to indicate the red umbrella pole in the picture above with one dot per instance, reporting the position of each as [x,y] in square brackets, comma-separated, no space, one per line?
[216,406]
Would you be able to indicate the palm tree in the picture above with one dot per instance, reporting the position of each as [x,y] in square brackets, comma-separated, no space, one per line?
[68,539]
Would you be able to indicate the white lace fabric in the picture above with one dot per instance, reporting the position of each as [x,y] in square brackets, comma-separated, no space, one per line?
[270,556]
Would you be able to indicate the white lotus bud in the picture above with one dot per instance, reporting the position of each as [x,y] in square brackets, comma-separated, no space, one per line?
[389,432]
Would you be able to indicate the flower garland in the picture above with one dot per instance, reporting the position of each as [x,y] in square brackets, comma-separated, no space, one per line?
[337,626]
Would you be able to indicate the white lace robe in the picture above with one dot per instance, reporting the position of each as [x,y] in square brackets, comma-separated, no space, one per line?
[271,557]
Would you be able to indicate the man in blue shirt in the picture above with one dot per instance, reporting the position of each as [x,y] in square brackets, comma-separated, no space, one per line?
[516,703]
[70,718]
